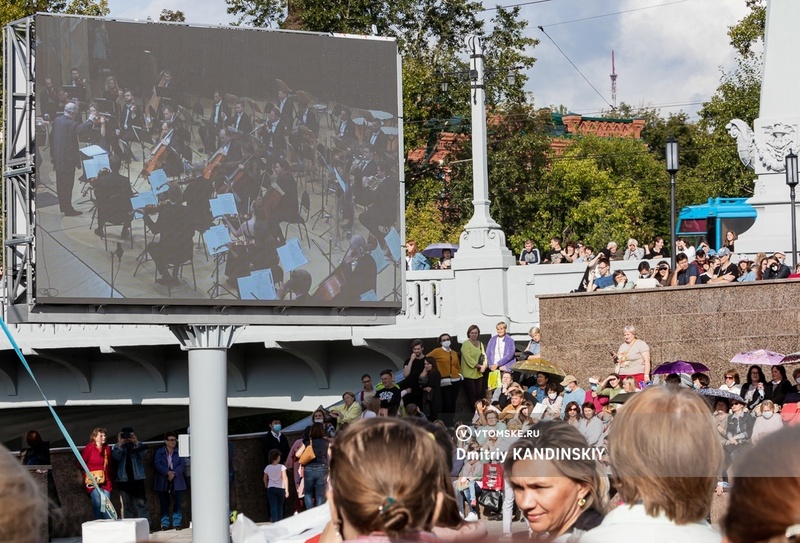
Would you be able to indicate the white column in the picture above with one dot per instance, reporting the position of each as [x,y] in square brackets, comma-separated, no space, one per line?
[208,416]
[483,243]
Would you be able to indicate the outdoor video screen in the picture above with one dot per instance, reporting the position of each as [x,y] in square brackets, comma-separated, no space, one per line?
[190,165]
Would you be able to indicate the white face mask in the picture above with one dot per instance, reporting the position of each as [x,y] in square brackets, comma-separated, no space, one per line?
[318,420]
[446,343]
[766,414]
[552,395]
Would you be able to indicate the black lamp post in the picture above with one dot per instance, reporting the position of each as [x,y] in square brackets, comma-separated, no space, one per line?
[672,169]
[791,180]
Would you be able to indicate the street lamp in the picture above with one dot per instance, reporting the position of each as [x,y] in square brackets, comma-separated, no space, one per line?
[791,180]
[672,169]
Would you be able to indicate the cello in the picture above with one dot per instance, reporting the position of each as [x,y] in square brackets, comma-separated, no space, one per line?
[214,162]
[157,156]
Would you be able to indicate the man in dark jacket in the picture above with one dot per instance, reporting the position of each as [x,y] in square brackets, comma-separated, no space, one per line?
[65,155]
[275,440]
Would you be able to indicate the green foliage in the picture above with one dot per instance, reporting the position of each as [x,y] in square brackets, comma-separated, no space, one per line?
[168,15]
[424,224]
[94,8]
[750,30]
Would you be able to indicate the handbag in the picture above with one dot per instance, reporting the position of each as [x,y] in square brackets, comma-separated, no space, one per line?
[491,500]
[492,478]
[98,474]
[494,379]
[308,454]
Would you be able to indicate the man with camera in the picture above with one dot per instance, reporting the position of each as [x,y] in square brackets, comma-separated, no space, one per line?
[130,479]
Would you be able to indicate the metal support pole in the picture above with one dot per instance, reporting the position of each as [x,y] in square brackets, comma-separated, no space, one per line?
[794,228]
[672,220]
[208,416]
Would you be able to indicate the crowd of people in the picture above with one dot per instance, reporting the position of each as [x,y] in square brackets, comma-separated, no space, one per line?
[622,414]
[665,445]
[694,265]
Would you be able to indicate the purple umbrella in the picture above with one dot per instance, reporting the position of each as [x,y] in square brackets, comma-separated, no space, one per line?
[434,250]
[792,358]
[718,393]
[758,358]
[680,366]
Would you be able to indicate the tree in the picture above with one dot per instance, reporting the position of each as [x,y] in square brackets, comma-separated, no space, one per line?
[168,15]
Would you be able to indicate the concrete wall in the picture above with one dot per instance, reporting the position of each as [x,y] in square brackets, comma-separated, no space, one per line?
[248,494]
[708,324]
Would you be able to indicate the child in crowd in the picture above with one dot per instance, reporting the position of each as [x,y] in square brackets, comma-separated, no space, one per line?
[277,484]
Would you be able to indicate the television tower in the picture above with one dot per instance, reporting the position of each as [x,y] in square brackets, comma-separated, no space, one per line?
[613,83]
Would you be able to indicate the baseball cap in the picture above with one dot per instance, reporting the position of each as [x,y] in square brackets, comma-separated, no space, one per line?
[744,258]
[723,252]
[568,379]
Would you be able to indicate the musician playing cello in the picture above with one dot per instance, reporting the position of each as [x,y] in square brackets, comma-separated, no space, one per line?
[174,246]
[242,178]
[178,147]
[355,276]
[258,248]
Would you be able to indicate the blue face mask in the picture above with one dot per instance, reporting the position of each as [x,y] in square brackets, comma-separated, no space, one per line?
[594,387]
[276,428]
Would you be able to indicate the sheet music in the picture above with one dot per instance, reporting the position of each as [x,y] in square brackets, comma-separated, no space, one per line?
[291,255]
[217,239]
[369,296]
[379,258]
[93,165]
[259,285]
[224,204]
[393,241]
[142,200]
[339,180]
[158,181]
[92,150]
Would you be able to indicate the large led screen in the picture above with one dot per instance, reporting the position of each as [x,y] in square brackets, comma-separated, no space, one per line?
[215,166]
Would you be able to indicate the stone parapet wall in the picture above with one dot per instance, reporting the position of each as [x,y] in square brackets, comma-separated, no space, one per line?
[707,323]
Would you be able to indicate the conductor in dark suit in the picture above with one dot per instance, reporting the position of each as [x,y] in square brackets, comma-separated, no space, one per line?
[176,230]
[377,139]
[112,194]
[65,155]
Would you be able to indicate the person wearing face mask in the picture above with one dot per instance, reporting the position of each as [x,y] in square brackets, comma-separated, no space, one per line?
[700,380]
[766,423]
[274,439]
[593,394]
[449,366]
[553,403]
[776,270]
[319,417]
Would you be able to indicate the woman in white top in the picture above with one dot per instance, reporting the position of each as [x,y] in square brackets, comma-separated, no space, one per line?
[590,426]
[553,402]
[373,406]
[732,382]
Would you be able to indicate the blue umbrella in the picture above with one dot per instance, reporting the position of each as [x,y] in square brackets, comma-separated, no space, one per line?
[680,366]
[434,250]
[717,393]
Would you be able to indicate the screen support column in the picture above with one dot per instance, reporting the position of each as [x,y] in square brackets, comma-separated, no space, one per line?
[208,415]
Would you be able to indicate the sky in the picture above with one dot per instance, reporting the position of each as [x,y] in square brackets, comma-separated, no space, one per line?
[668,53]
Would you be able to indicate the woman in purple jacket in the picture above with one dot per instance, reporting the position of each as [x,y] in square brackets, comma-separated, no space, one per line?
[500,350]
